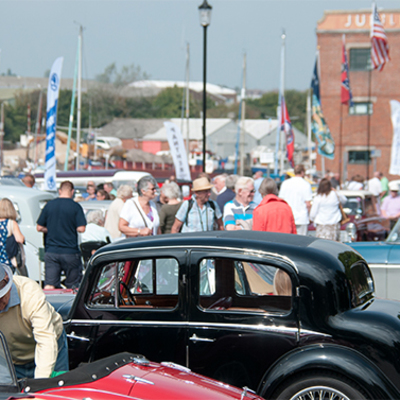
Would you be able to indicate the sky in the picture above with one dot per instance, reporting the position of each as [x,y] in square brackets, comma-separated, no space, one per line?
[153,34]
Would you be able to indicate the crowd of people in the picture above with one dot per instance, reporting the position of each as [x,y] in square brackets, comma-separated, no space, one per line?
[34,329]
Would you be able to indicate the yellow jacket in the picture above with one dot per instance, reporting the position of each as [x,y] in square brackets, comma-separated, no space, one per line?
[32,328]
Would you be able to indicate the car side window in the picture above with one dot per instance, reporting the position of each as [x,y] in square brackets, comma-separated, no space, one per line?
[5,373]
[103,293]
[149,283]
[236,285]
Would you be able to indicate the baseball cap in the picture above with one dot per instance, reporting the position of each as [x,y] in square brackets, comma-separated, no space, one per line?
[5,269]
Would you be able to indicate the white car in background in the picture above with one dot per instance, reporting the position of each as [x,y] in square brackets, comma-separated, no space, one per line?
[28,203]
[108,142]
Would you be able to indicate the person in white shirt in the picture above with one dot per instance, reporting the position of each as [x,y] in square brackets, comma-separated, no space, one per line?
[124,193]
[139,216]
[375,186]
[325,211]
[95,231]
[297,193]
[356,183]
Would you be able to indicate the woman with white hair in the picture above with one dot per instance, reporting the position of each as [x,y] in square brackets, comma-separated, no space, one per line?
[172,194]
[139,216]
[95,231]
[124,193]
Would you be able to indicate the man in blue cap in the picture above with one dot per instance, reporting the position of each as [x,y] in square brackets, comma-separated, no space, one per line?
[33,329]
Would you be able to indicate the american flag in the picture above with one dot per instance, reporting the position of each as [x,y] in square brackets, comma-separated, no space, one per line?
[346,95]
[286,127]
[379,42]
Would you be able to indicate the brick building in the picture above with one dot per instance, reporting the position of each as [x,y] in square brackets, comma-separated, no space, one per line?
[352,149]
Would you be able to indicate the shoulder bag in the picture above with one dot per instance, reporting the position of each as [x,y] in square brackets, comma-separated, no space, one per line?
[345,218]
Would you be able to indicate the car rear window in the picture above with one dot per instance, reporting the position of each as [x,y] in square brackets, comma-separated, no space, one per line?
[362,284]
[239,285]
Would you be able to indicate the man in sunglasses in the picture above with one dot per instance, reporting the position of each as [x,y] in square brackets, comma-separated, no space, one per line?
[238,213]
[33,329]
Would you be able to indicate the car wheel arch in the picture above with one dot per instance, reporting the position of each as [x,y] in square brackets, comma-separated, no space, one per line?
[302,385]
[315,360]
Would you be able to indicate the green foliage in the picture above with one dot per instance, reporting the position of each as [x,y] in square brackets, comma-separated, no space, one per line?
[128,74]
[104,102]
[267,105]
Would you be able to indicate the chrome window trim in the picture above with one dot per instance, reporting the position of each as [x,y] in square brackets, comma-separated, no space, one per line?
[246,251]
[185,324]
[389,266]
[201,325]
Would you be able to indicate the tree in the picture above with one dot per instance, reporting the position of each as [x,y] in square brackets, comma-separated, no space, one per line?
[296,101]
[128,74]
[168,104]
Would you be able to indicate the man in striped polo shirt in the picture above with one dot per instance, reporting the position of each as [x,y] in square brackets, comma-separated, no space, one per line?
[238,213]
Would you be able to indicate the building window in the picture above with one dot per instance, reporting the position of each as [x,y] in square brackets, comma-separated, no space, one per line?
[359,157]
[362,108]
[360,59]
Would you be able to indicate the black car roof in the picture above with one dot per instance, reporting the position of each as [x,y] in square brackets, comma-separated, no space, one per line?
[322,265]
[297,247]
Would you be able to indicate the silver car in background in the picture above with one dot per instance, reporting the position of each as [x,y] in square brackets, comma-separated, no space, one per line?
[28,203]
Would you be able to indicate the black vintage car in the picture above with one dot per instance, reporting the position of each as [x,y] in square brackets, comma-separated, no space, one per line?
[293,317]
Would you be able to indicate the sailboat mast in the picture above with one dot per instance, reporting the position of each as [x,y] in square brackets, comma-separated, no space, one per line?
[37,127]
[243,96]
[187,97]
[78,116]
[282,93]
[71,113]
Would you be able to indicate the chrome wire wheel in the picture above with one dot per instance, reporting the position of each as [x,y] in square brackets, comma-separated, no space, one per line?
[319,393]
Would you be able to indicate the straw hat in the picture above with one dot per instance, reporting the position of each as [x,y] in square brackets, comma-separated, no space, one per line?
[394,186]
[201,184]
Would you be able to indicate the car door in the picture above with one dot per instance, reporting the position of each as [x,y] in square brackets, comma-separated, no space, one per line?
[239,324]
[133,303]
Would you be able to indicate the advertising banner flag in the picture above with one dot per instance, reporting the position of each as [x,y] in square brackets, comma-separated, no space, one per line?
[395,153]
[178,151]
[286,127]
[53,90]
[346,95]
[379,42]
[326,145]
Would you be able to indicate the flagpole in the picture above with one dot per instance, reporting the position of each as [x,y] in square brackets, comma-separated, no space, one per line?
[340,142]
[309,128]
[369,91]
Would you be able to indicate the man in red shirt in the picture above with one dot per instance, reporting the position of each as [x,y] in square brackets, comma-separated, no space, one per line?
[272,214]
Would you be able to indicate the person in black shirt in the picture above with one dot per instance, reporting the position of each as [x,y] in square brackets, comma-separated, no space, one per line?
[61,220]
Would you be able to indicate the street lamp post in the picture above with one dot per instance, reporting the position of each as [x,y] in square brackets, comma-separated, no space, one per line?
[205,19]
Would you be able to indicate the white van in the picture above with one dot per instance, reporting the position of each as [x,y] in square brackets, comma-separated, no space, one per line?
[80,178]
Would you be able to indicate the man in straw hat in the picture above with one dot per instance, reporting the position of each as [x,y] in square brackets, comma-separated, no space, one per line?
[199,213]
[33,329]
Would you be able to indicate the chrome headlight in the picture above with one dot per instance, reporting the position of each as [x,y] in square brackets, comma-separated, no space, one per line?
[351,230]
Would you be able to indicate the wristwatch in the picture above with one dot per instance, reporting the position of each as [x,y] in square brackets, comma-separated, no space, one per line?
[138,232]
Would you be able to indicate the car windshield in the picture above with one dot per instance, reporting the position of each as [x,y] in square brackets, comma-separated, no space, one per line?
[394,235]
[352,205]
[6,377]
[362,284]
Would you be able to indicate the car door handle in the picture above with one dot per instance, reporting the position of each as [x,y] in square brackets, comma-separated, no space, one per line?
[194,338]
[73,336]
